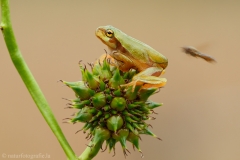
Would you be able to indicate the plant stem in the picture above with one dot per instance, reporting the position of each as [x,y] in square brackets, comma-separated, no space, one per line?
[29,80]
[90,152]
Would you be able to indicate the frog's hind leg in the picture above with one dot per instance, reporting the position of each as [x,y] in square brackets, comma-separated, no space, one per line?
[152,82]
[148,79]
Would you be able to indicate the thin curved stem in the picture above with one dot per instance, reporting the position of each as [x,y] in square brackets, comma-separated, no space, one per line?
[29,81]
[90,152]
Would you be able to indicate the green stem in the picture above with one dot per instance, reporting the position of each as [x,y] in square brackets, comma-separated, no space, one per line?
[90,152]
[29,80]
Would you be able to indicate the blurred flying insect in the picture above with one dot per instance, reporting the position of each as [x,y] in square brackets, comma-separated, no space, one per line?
[195,53]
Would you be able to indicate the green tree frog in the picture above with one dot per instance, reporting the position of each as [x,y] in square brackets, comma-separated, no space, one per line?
[131,53]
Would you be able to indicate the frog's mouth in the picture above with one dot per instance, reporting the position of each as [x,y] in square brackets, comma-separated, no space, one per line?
[99,32]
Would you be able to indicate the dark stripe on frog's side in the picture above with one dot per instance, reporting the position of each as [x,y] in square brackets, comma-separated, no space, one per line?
[118,45]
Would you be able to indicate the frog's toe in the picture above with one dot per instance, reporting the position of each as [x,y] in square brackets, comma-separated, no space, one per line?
[133,84]
[148,85]
[160,83]
[163,72]
[104,57]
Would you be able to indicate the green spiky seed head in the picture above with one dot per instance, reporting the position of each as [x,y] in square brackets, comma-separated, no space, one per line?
[110,112]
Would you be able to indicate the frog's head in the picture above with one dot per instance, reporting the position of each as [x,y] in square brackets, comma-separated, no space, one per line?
[107,35]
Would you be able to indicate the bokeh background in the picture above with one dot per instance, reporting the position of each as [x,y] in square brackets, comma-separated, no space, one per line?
[200,118]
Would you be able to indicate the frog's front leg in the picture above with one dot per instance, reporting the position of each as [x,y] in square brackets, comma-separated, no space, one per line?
[118,60]
[148,79]
[122,62]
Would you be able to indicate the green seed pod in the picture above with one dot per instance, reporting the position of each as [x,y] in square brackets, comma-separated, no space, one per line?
[106,73]
[131,106]
[80,105]
[152,105]
[143,125]
[80,89]
[140,103]
[126,113]
[72,84]
[148,132]
[114,123]
[138,119]
[132,95]
[92,110]
[117,93]
[116,80]
[99,100]
[145,109]
[83,115]
[97,70]
[129,119]
[121,136]
[76,100]
[93,81]
[137,126]
[146,93]
[100,135]
[134,113]
[118,103]
[89,125]
[111,144]
[138,111]
[102,85]
[83,72]
[95,118]
[129,126]
[134,139]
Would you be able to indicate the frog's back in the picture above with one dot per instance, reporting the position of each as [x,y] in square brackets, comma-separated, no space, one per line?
[140,49]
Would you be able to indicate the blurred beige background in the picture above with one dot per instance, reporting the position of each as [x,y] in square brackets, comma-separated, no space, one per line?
[200,119]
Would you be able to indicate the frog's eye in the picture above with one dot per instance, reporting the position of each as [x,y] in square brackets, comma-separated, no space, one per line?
[109,33]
